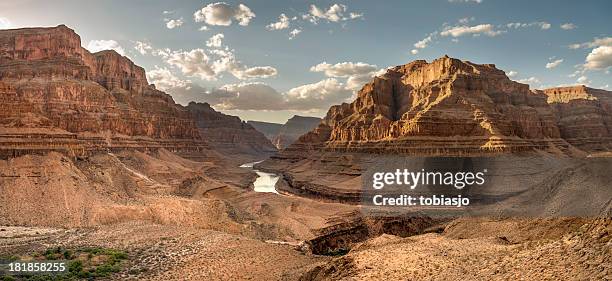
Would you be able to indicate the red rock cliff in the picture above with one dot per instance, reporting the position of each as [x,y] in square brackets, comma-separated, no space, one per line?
[55,94]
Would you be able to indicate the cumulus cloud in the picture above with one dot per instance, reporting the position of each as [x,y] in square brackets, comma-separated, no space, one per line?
[100,45]
[605,41]
[414,51]
[344,69]
[215,41]
[223,14]
[568,26]
[143,47]
[294,33]
[335,13]
[210,64]
[457,31]
[174,23]
[164,79]
[599,58]
[5,23]
[554,64]
[260,96]
[511,73]
[282,23]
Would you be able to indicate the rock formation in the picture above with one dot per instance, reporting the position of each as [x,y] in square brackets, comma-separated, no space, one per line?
[284,135]
[453,107]
[228,133]
[584,116]
[56,95]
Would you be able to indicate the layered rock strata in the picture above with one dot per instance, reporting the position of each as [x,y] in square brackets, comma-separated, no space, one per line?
[228,133]
[56,95]
[293,129]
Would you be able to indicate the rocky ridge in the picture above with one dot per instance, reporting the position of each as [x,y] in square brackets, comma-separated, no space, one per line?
[56,95]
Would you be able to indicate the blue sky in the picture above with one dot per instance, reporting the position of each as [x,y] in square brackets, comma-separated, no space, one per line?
[254,70]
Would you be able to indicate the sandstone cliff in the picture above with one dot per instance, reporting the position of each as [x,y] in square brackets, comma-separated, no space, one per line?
[56,95]
[584,116]
[228,133]
[446,107]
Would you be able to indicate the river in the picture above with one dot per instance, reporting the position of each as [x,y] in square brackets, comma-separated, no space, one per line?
[265,182]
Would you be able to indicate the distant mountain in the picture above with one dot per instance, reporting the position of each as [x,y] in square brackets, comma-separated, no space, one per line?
[270,130]
[283,135]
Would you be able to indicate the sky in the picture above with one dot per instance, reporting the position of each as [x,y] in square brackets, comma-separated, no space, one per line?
[270,60]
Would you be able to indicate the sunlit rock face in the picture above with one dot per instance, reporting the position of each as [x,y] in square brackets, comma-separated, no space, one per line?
[57,95]
[446,107]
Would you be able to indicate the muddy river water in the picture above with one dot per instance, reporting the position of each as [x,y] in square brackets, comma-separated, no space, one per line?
[265,182]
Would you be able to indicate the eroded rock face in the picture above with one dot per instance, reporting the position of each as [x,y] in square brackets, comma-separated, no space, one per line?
[584,116]
[229,133]
[446,107]
[56,95]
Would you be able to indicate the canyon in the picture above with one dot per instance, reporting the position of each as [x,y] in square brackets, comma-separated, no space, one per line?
[283,135]
[92,155]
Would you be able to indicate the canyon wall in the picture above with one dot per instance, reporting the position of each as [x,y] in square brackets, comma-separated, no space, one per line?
[228,133]
[56,95]
[294,128]
[453,107]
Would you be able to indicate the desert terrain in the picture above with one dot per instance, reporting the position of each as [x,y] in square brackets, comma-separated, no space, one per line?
[96,164]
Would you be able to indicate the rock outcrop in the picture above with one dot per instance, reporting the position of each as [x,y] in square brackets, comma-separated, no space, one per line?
[56,95]
[446,107]
[584,116]
[228,133]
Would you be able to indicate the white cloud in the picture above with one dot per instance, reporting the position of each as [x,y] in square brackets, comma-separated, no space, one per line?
[294,33]
[318,95]
[541,24]
[210,64]
[568,26]
[457,31]
[414,51]
[583,80]
[223,14]
[423,43]
[193,63]
[599,58]
[282,23]
[164,79]
[554,64]
[203,28]
[215,41]
[100,45]
[531,81]
[511,73]
[143,47]
[344,69]
[5,23]
[335,13]
[174,23]
[605,41]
